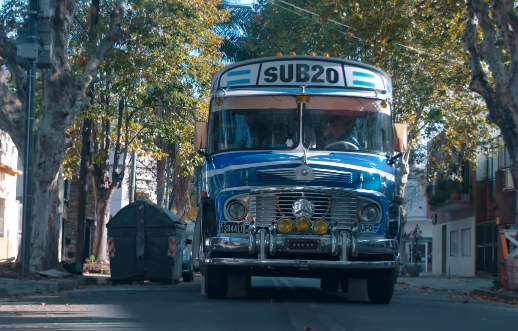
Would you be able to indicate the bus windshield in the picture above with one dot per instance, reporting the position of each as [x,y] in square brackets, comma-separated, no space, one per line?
[254,129]
[331,130]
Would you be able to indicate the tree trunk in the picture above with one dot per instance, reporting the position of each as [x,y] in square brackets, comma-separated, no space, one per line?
[104,197]
[160,181]
[83,191]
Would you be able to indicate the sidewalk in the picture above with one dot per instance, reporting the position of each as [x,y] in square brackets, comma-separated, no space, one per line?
[473,286]
[15,287]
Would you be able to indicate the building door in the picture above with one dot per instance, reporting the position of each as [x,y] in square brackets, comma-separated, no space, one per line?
[487,248]
[443,244]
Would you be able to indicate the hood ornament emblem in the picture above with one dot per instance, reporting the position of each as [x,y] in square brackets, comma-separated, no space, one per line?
[303,208]
[304,158]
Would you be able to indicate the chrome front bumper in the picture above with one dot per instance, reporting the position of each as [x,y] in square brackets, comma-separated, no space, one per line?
[342,243]
[302,263]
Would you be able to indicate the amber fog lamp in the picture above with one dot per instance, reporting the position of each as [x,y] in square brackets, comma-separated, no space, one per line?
[383,104]
[302,98]
[284,225]
[320,227]
[302,224]
[219,102]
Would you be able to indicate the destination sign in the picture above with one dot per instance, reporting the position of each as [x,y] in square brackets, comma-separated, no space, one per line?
[302,72]
[317,73]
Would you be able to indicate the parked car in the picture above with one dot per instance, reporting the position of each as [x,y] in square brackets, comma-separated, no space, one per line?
[187,270]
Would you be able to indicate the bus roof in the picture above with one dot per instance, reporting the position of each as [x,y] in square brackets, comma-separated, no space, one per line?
[289,74]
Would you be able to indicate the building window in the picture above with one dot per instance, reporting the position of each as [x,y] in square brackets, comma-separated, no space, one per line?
[466,242]
[492,167]
[2,217]
[454,243]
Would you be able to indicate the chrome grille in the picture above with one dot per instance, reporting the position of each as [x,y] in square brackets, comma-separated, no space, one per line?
[268,205]
[332,176]
[272,175]
[323,175]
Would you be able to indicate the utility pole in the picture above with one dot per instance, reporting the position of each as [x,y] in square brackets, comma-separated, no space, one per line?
[30,105]
[132,177]
[34,50]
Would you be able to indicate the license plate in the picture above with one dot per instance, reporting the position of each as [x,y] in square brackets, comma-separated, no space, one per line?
[232,227]
[369,228]
[303,244]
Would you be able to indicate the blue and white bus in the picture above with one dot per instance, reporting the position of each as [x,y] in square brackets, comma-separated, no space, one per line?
[300,176]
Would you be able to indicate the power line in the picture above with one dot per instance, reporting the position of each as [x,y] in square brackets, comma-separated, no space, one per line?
[273,2]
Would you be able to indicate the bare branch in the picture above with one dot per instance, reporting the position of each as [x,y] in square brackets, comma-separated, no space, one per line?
[112,36]
[489,51]
[479,82]
[11,114]
[8,55]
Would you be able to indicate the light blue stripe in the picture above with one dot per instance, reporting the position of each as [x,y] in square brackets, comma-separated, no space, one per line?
[239,73]
[238,81]
[359,82]
[363,74]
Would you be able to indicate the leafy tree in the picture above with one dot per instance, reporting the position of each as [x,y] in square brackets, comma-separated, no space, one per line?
[492,53]
[63,98]
[150,89]
[67,87]
[430,93]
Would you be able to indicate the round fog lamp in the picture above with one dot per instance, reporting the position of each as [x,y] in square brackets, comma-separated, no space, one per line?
[302,224]
[236,210]
[284,225]
[320,227]
[369,213]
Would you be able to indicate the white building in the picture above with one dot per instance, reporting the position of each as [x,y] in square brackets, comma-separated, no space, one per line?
[416,205]
[10,208]
[145,181]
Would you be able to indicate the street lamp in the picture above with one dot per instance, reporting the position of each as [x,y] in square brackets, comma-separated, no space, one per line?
[417,234]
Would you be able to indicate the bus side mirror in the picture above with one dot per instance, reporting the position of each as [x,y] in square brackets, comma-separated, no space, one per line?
[200,135]
[400,137]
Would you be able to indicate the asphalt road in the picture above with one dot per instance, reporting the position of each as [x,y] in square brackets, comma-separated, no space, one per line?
[274,304]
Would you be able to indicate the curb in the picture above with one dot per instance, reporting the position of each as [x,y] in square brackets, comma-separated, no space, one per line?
[50,286]
[489,293]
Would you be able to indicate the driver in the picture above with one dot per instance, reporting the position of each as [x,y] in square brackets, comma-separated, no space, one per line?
[339,131]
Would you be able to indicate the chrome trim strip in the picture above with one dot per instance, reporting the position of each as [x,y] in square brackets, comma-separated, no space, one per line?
[262,244]
[302,263]
[252,239]
[346,243]
[330,244]
[354,241]
[334,241]
[272,239]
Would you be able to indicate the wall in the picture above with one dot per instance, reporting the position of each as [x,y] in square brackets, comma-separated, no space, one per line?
[461,265]
[70,226]
[437,249]
[458,265]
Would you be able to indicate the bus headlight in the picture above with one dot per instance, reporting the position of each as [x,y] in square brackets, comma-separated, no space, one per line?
[302,224]
[320,227]
[236,210]
[369,213]
[284,225]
